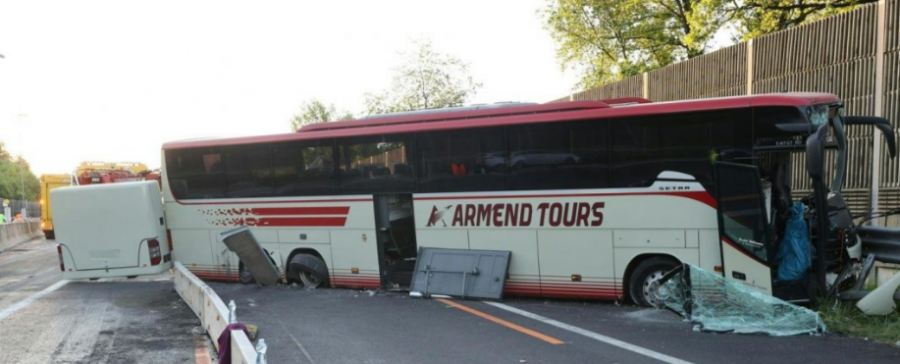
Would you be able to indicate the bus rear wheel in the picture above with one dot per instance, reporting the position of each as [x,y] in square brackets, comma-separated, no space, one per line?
[309,269]
[645,280]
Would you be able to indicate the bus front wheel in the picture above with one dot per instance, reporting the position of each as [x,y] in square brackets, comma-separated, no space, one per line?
[309,269]
[244,275]
[645,280]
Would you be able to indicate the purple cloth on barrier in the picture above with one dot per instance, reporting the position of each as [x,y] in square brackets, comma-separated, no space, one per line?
[225,342]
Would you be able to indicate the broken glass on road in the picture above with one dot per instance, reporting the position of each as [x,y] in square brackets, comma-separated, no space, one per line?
[715,304]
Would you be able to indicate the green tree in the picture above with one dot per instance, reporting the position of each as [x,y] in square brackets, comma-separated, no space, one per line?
[612,39]
[426,80]
[607,40]
[314,111]
[11,179]
[760,17]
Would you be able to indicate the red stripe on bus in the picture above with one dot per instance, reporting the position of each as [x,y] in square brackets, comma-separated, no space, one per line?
[333,210]
[701,196]
[180,202]
[290,221]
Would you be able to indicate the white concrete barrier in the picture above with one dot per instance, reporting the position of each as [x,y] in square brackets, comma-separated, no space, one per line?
[213,313]
[15,233]
[242,350]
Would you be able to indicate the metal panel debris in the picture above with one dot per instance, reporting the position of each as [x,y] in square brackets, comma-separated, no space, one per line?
[460,272]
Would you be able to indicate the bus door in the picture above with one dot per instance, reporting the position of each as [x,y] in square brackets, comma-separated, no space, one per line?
[744,232]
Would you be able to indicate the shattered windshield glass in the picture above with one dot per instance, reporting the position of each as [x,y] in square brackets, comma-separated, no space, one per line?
[713,303]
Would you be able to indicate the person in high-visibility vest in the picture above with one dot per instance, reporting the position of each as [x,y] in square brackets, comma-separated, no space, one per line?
[2,218]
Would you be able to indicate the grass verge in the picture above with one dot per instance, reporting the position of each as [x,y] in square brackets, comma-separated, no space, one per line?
[844,318]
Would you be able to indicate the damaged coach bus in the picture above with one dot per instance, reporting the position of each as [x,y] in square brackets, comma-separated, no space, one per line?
[595,199]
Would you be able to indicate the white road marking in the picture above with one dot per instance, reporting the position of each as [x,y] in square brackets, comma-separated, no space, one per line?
[24,303]
[593,335]
[305,353]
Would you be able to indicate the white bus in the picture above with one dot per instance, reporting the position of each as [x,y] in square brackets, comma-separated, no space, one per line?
[595,199]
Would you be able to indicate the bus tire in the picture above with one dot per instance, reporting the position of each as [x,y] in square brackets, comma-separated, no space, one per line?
[309,269]
[645,278]
[244,275]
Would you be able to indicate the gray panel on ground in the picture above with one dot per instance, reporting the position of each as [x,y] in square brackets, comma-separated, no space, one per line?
[461,272]
[255,259]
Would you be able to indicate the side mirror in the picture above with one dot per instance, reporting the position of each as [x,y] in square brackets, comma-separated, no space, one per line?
[815,153]
[882,124]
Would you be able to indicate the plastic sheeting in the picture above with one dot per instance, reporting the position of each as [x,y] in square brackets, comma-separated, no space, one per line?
[794,252]
[713,303]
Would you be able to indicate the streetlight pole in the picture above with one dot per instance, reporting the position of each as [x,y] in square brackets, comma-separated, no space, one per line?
[22,119]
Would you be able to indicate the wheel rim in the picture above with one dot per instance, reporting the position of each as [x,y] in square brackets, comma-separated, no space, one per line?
[309,280]
[245,275]
[651,288]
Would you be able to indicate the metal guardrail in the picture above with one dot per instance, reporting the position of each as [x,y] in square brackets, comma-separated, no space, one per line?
[215,316]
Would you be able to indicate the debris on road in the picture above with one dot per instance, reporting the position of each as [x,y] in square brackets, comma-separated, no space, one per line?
[466,273]
[881,300]
[254,258]
[715,304]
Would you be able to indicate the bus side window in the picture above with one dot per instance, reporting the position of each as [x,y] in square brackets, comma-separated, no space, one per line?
[304,168]
[375,164]
[643,147]
[247,171]
[469,160]
[195,173]
[559,156]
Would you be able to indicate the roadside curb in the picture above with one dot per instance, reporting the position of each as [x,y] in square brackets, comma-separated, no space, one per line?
[213,314]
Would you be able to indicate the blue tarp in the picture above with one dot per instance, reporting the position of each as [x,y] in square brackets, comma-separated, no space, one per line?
[794,252]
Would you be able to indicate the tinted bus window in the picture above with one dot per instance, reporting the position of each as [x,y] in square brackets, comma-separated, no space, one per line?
[686,143]
[376,164]
[559,156]
[304,168]
[470,160]
[196,173]
[248,171]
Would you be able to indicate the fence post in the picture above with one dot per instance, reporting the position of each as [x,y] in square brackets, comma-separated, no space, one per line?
[750,67]
[879,107]
[645,88]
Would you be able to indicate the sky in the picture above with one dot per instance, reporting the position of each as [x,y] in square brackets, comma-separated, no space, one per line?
[114,80]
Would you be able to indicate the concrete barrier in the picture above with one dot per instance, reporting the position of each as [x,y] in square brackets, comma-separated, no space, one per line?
[213,313]
[15,233]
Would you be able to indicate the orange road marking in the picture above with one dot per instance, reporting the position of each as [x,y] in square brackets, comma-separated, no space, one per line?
[503,322]
[201,353]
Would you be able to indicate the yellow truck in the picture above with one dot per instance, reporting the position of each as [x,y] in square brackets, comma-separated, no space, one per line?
[50,182]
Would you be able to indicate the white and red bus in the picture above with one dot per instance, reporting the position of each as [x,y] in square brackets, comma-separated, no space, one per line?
[595,199]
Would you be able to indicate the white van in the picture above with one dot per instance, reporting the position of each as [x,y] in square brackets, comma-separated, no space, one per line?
[110,230]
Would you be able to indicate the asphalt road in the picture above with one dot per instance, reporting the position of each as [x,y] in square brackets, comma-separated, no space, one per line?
[347,326]
[106,321]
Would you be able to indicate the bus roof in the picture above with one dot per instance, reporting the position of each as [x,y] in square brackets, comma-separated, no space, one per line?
[512,115]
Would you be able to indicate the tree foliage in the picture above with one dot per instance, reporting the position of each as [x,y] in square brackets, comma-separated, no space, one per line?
[427,79]
[613,39]
[607,40]
[314,111]
[760,17]
[11,179]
